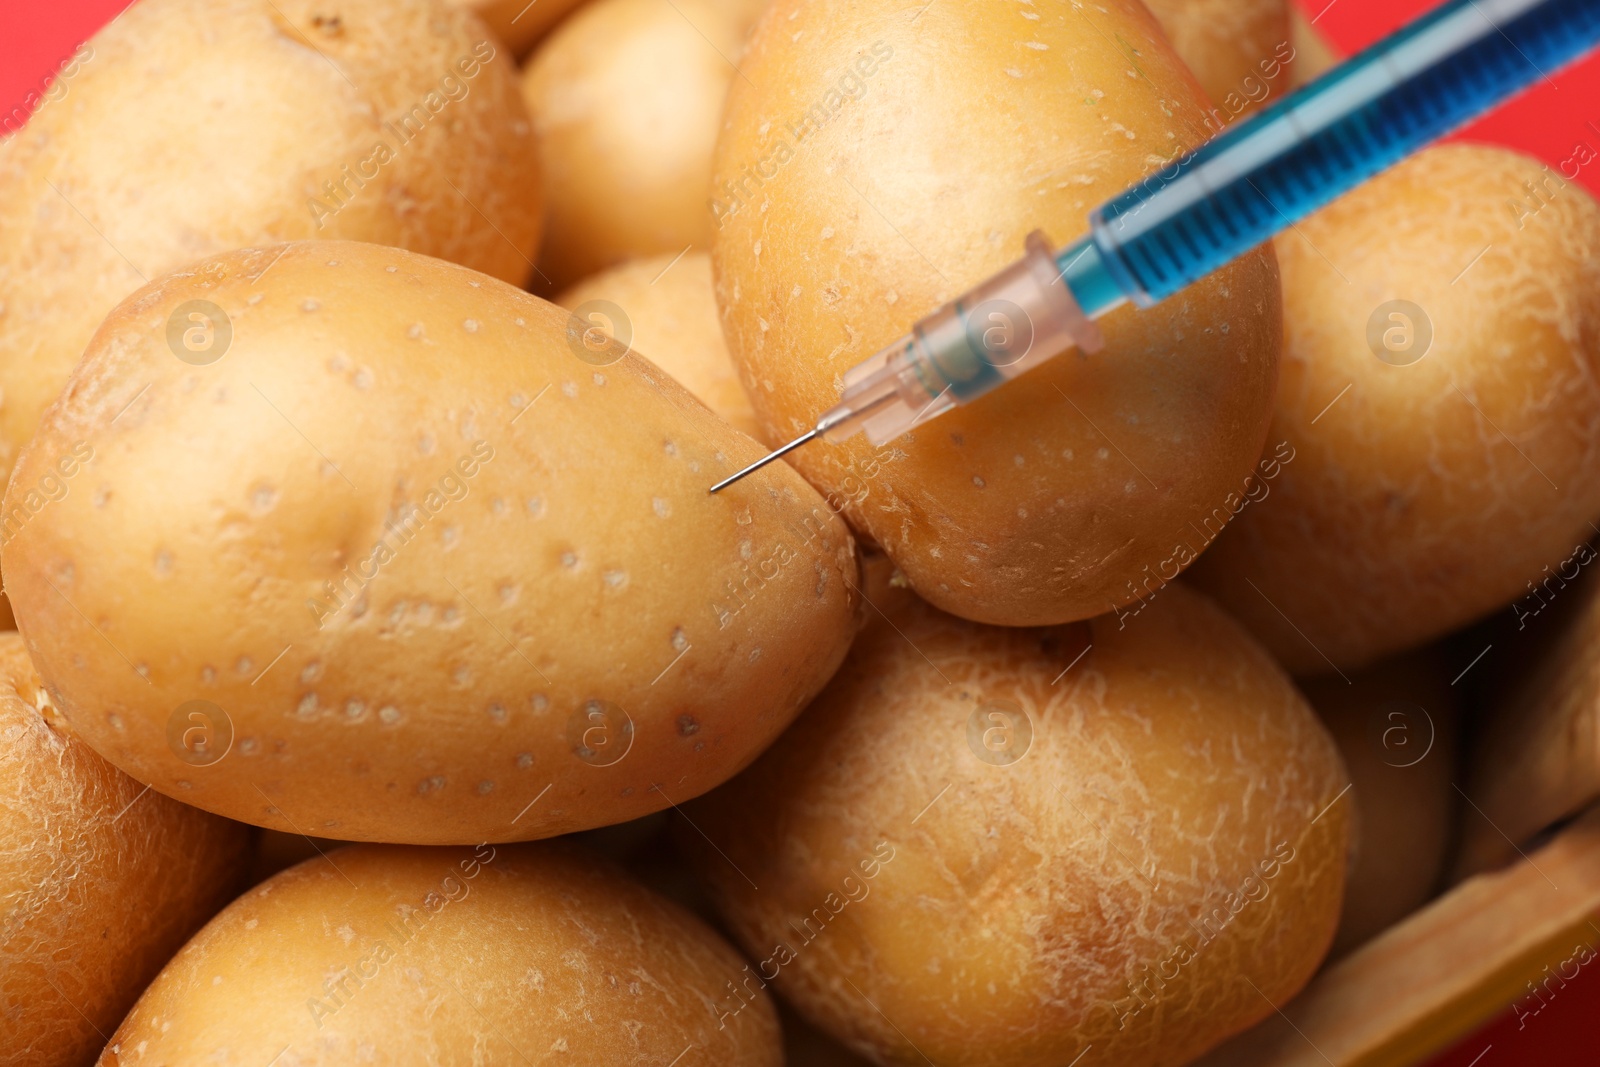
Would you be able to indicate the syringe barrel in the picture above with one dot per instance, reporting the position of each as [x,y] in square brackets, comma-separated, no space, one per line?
[1267,172]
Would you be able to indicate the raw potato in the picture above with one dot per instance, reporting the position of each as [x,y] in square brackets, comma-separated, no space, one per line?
[1314,54]
[882,585]
[486,957]
[1535,757]
[626,96]
[1155,825]
[864,177]
[1498,941]
[200,126]
[519,23]
[1425,491]
[669,314]
[1395,725]
[1240,50]
[442,580]
[99,883]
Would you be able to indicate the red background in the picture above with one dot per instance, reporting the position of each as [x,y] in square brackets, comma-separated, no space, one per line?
[35,38]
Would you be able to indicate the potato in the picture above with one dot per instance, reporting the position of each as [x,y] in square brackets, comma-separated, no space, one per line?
[1441,400]
[667,311]
[519,23]
[1449,973]
[1395,725]
[863,177]
[198,127]
[444,957]
[1534,761]
[1314,54]
[987,846]
[626,97]
[1241,51]
[99,882]
[436,577]
[883,587]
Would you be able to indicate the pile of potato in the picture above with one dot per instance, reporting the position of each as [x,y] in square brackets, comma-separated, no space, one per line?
[321,527]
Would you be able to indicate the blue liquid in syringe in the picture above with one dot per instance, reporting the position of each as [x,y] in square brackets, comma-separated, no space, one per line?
[1269,171]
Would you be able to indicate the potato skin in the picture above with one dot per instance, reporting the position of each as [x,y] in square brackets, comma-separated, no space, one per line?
[671,315]
[99,882]
[1314,54]
[200,126]
[1430,493]
[1003,914]
[1240,51]
[1533,759]
[419,601]
[484,957]
[519,23]
[1038,504]
[1396,725]
[626,96]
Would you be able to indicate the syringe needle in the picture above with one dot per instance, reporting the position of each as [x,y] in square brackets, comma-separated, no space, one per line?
[768,458]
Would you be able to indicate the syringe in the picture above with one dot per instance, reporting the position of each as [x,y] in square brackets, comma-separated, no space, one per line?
[1211,206]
